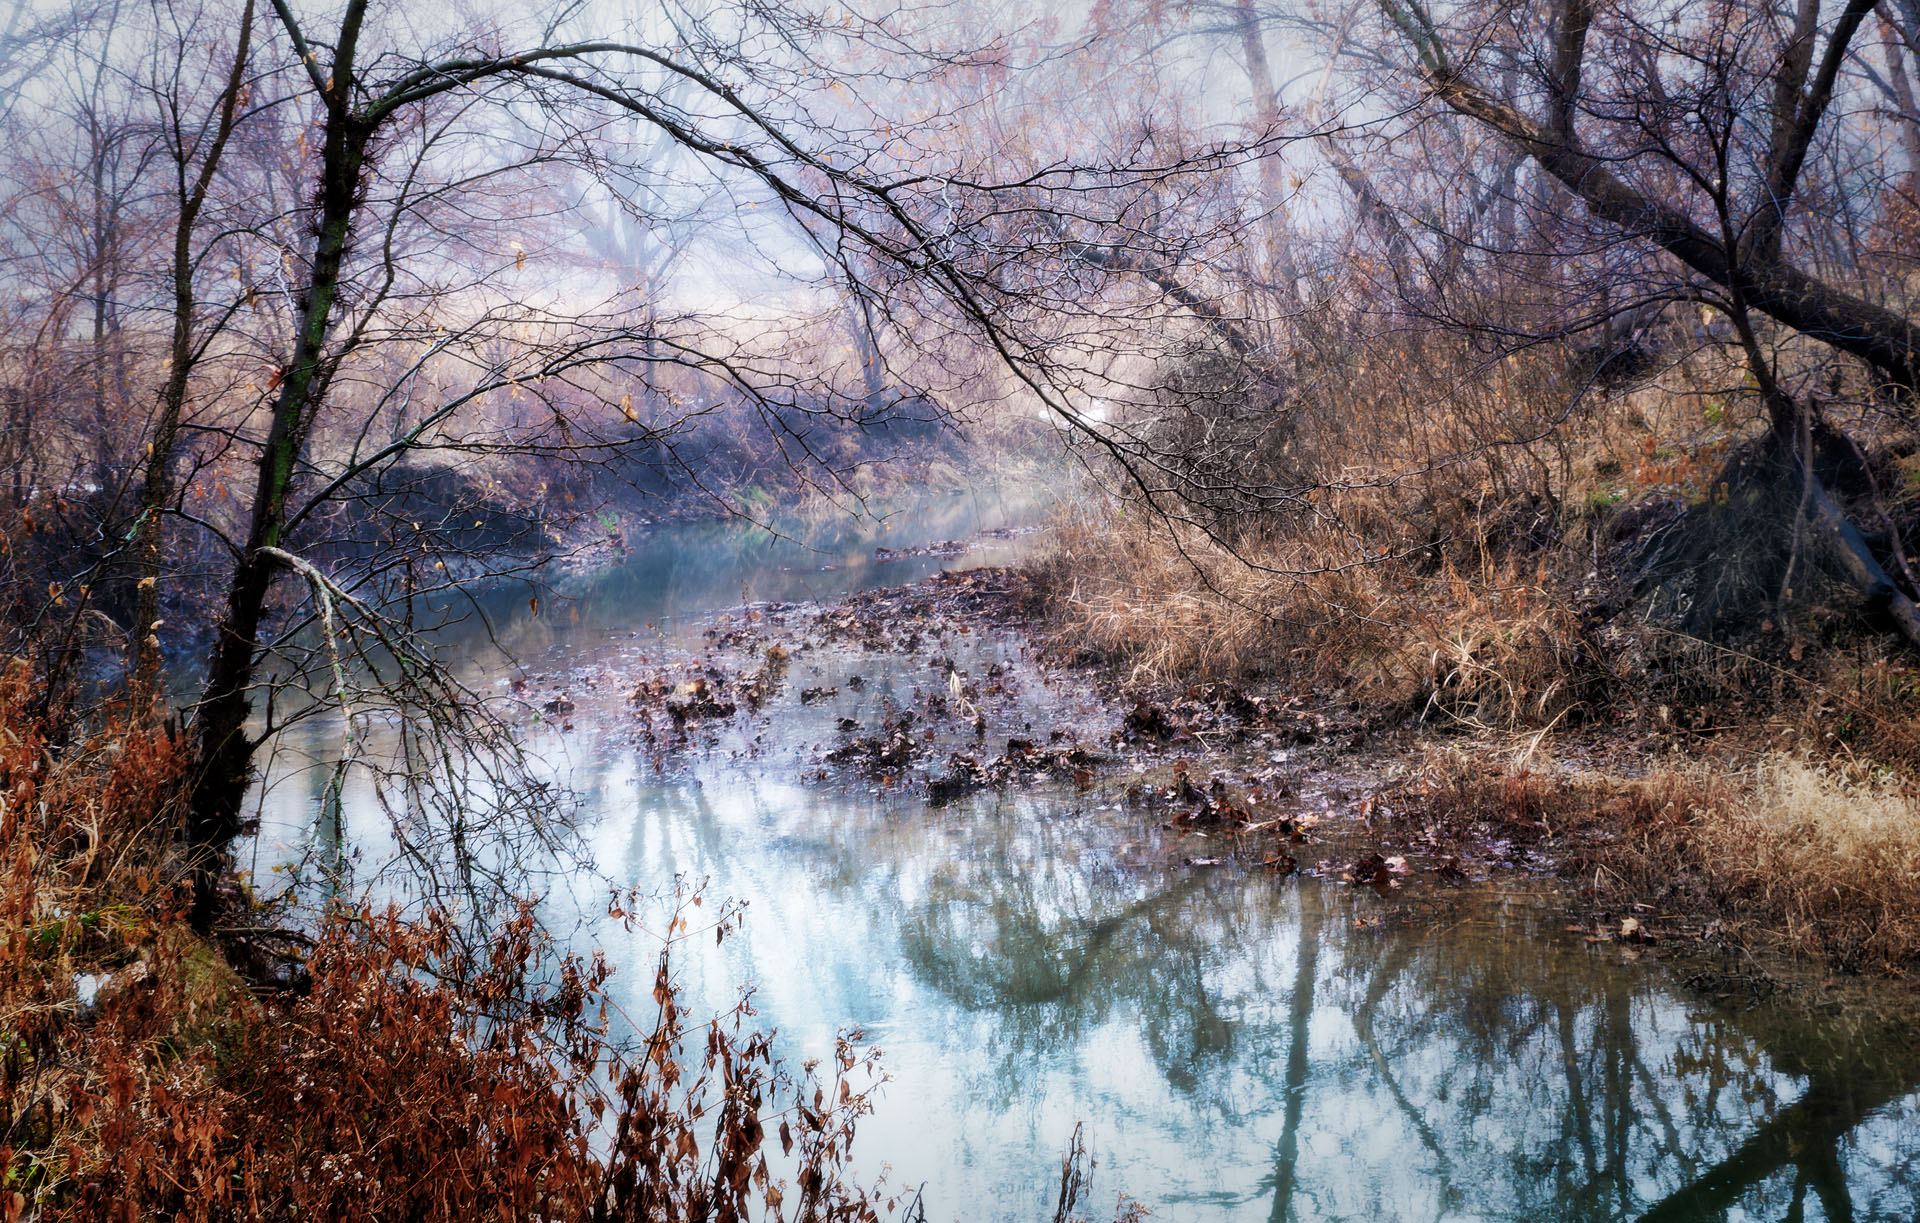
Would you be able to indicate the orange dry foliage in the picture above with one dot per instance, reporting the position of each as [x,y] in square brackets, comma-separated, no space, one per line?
[407,1079]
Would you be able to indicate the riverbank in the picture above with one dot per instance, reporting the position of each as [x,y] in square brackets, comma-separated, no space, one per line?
[931,723]
[1759,792]
[1049,892]
[1801,871]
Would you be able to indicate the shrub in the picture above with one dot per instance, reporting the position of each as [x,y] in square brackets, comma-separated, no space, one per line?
[408,1078]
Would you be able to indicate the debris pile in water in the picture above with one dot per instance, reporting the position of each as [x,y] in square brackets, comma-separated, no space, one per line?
[942,548]
[1022,761]
[886,752]
[695,698]
[1212,806]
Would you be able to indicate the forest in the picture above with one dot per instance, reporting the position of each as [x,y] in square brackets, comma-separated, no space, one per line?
[761,609]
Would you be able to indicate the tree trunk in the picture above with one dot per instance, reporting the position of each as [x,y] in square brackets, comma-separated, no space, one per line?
[1901,83]
[873,370]
[102,254]
[224,750]
[158,488]
[1273,187]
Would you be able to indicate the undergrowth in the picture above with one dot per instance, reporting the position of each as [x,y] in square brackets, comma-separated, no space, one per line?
[404,1078]
[1597,581]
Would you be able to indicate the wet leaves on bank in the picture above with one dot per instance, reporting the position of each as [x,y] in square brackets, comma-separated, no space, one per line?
[1219,713]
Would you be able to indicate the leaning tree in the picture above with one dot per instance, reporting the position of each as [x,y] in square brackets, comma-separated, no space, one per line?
[1736,156]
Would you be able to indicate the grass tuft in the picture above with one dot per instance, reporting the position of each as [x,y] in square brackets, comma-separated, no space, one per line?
[1828,856]
[1819,861]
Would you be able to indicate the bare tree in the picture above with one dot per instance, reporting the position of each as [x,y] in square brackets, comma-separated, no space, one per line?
[416,331]
[1710,142]
[195,146]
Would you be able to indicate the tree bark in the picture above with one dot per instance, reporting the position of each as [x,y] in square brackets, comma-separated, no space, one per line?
[157,490]
[223,749]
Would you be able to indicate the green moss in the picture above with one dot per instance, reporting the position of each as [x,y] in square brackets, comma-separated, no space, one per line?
[212,1000]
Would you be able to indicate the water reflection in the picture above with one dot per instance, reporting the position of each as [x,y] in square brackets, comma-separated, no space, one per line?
[1253,1047]
[1240,1046]
[690,570]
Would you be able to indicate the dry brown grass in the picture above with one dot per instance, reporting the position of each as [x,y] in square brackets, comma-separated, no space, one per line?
[1170,604]
[1827,857]
[1817,860]
[1496,652]
[1508,656]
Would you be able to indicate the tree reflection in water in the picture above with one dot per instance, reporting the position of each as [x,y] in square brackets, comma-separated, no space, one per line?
[1474,1067]
[1240,1046]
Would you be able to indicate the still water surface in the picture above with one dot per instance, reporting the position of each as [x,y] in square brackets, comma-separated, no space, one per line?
[1239,1046]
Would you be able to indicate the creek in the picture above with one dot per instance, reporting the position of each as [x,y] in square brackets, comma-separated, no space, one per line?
[1238,1045]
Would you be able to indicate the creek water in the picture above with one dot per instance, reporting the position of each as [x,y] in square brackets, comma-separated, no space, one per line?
[1237,1045]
